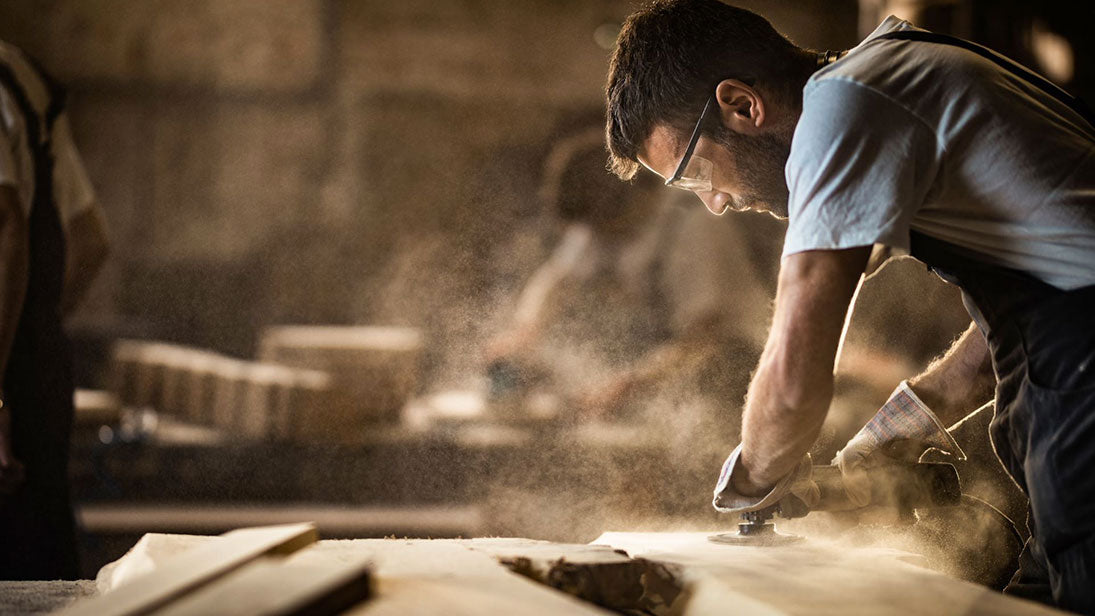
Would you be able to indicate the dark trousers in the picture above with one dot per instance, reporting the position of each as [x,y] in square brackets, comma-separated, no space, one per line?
[37,528]
[1042,341]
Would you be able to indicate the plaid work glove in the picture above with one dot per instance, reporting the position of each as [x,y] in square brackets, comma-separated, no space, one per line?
[798,483]
[904,428]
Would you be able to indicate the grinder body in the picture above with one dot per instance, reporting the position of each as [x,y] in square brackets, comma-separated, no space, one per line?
[899,488]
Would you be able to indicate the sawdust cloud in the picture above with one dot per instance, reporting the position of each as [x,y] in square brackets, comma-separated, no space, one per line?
[459,281]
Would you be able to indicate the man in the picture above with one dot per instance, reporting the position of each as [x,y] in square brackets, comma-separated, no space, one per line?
[953,154]
[682,293]
[46,204]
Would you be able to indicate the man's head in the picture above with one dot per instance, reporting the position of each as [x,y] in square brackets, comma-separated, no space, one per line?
[579,188]
[674,56]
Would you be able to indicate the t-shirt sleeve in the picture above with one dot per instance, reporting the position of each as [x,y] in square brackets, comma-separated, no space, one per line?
[860,167]
[72,190]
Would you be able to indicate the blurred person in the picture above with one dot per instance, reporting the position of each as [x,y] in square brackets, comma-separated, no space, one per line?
[634,302]
[52,243]
[908,143]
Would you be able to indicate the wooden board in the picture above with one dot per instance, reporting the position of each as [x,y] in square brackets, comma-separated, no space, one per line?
[423,576]
[269,587]
[194,568]
[409,576]
[814,576]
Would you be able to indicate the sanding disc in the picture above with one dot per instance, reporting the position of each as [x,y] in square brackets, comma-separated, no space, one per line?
[757,539]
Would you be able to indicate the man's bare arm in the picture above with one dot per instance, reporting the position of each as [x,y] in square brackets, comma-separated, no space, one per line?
[86,249]
[540,298]
[959,381]
[793,386]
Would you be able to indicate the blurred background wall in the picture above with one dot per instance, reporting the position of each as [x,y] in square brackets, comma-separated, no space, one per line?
[338,161]
[333,161]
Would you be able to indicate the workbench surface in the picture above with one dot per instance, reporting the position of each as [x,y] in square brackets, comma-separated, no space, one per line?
[661,573]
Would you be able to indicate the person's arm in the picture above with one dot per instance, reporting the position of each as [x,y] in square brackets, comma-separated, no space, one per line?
[86,249]
[14,259]
[86,242]
[916,416]
[697,344]
[790,393]
[540,297]
[700,343]
[959,381]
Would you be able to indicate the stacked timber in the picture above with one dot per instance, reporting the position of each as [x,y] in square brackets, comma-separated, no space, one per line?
[257,400]
[373,370]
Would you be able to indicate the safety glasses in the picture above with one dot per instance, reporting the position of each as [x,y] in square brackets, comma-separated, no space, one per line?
[694,172]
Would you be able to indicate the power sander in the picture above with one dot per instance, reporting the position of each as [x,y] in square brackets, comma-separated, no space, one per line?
[899,488]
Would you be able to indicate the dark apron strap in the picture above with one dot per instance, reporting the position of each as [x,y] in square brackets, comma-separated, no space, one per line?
[37,529]
[1007,64]
[47,247]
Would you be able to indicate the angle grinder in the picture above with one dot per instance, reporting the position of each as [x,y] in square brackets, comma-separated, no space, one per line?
[897,487]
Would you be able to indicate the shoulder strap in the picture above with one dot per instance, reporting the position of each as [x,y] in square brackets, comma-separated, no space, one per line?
[54,107]
[1007,64]
[19,95]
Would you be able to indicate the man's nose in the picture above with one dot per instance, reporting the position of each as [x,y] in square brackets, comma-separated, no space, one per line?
[714,204]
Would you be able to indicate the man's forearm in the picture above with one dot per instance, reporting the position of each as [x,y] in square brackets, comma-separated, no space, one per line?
[793,385]
[959,381]
[87,248]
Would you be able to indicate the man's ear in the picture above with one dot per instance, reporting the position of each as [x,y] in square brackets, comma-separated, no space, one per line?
[741,108]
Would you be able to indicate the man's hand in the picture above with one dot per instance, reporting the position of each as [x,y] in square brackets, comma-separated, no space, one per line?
[903,429]
[606,398]
[512,344]
[11,470]
[731,497]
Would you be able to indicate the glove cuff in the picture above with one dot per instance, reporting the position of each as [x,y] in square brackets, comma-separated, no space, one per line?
[727,500]
[905,416]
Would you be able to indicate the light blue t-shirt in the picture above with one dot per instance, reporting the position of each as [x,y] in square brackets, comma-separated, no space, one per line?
[907,135]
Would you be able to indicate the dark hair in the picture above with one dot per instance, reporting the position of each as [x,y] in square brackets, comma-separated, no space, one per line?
[669,57]
[578,187]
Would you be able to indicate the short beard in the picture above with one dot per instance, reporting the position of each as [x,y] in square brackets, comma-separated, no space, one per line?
[760,163]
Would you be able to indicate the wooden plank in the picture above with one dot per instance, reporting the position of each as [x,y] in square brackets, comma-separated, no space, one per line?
[443,576]
[152,550]
[344,521]
[41,597]
[815,576]
[194,568]
[460,597]
[269,587]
